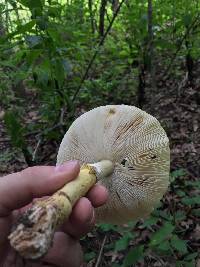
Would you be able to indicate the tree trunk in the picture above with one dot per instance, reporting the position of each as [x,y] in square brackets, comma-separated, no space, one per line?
[101,17]
[150,50]
[91,16]
[2,29]
[141,87]
[189,62]
[115,4]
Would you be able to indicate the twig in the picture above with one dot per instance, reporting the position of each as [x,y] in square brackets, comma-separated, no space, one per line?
[36,132]
[100,252]
[55,126]
[182,84]
[62,113]
[155,257]
[58,125]
[36,149]
[101,42]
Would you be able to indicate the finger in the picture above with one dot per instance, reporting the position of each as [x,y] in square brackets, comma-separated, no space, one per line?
[98,195]
[81,220]
[18,189]
[66,251]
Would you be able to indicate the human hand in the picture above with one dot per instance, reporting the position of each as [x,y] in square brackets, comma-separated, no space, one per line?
[17,190]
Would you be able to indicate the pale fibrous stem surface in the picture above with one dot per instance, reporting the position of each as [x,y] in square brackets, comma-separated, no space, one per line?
[33,233]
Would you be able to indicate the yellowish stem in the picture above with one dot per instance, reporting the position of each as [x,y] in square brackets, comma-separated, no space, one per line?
[33,234]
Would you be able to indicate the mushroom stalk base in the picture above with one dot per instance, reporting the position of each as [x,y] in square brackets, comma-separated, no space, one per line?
[32,235]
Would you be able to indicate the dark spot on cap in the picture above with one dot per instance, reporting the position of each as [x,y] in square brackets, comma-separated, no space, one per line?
[112,111]
[128,127]
[123,162]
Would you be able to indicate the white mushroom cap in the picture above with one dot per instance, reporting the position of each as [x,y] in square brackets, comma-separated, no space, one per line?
[138,147]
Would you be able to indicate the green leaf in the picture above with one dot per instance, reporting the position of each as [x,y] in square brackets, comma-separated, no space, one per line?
[42,22]
[177,173]
[185,264]
[133,256]
[2,7]
[26,27]
[179,244]
[32,3]
[191,256]
[89,256]
[59,71]
[180,193]
[163,214]
[123,242]
[189,264]
[33,55]
[162,234]
[109,246]
[53,11]
[151,221]
[66,65]
[14,129]
[54,34]
[187,20]
[195,184]
[43,72]
[164,44]
[165,246]
[33,40]
[191,201]
[107,227]
[46,66]
[196,212]
[180,215]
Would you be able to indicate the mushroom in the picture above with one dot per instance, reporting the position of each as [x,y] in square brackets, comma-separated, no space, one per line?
[138,147]
[121,147]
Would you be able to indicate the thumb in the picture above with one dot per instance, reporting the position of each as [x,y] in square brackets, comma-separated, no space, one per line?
[19,189]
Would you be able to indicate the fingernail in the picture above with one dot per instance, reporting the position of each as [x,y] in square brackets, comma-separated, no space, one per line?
[66,166]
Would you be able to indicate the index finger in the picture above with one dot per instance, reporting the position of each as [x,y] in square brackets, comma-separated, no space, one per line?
[19,189]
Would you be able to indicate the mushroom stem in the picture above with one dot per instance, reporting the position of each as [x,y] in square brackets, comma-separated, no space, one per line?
[33,233]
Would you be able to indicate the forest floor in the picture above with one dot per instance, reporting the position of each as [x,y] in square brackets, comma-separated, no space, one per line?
[176,104]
